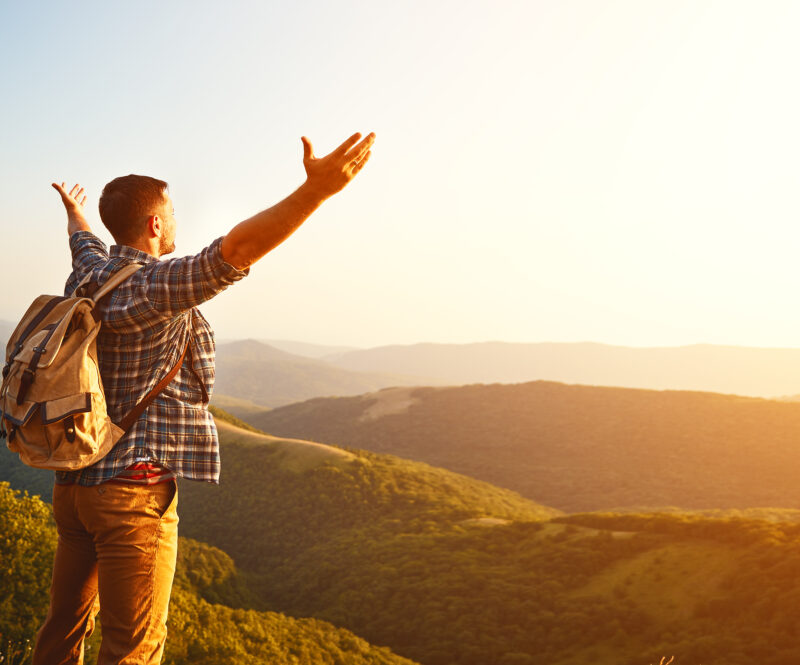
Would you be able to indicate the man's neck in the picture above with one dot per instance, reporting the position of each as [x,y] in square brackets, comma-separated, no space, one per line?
[150,248]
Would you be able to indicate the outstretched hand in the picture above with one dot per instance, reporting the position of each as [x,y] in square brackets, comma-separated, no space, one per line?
[73,203]
[331,173]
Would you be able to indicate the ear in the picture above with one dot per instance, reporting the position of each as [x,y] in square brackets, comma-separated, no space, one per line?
[154,226]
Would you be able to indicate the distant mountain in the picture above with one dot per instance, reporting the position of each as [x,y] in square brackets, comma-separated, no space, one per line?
[306,349]
[265,376]
[723,369]
[575,447]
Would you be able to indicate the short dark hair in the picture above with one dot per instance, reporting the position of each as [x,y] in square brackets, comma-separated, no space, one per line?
[127,202]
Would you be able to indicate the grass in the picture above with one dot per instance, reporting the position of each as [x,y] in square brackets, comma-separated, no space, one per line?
[295,455]
[667,582]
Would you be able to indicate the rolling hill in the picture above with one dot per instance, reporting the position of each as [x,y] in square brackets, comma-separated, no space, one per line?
[447,570]
[209,623]
[573,447]
[265,376]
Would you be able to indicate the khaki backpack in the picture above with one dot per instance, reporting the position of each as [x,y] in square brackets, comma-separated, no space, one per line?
[53,406]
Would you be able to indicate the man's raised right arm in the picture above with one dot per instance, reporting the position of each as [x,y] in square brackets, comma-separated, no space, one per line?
[87,250]
[253,238]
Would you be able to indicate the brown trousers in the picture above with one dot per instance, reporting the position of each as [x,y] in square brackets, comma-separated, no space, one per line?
[117,547]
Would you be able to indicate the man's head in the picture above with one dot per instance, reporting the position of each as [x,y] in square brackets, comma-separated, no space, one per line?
[137,211]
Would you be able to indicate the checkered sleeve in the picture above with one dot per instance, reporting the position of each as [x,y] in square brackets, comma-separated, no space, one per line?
[88,252]
[179,284]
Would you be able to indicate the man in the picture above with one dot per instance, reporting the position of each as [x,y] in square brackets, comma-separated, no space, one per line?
[117,520]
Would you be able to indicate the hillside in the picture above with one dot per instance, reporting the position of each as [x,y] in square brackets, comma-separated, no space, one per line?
[265,376]
[447,570]
[202,628]
[575,447]
[309,492]
[724,369]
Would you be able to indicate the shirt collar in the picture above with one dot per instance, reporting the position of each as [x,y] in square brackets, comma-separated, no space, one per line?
[132,253]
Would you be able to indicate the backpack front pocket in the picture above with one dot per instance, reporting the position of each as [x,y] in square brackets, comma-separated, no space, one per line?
[69,426]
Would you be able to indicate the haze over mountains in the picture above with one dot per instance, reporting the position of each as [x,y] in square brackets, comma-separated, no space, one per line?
[760,372]
[264,375]
[255,371]
[280,372]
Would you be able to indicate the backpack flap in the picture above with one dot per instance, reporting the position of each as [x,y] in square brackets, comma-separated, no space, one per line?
[44,345]
[43,310]
[58,409]
[18,414]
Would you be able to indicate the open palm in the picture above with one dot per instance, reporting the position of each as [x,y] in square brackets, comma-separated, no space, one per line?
[331,173]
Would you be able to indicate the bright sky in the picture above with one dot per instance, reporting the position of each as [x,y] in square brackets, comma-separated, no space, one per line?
[615,171]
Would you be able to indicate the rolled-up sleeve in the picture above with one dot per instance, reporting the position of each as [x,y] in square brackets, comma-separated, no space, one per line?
[88,252]
[176,285]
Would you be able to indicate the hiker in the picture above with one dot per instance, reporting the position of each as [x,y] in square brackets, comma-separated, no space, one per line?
[116,519]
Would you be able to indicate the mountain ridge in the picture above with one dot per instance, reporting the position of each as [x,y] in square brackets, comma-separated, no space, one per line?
[575,447]
[755,371]
[241,368]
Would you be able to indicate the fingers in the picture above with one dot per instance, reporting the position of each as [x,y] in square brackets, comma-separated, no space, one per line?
[73,197]
[61,191]
[360,164]
[357,153]
[308,150]
[349,143]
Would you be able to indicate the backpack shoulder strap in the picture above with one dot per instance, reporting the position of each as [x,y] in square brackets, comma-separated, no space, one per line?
[136,411]
[115,280]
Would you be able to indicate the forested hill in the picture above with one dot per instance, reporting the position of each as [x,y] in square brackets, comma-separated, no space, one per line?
[442,569]
[308,492]
[209,623]
[575,447]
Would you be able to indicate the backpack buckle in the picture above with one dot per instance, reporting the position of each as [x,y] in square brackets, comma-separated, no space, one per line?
[39,349]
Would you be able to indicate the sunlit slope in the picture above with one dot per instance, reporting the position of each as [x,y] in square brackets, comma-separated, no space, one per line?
[605,589]
[295,455]
[207,623]
[235,405]
[309,492]
[576,447]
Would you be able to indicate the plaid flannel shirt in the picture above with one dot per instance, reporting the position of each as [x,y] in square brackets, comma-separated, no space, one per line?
[147,321]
